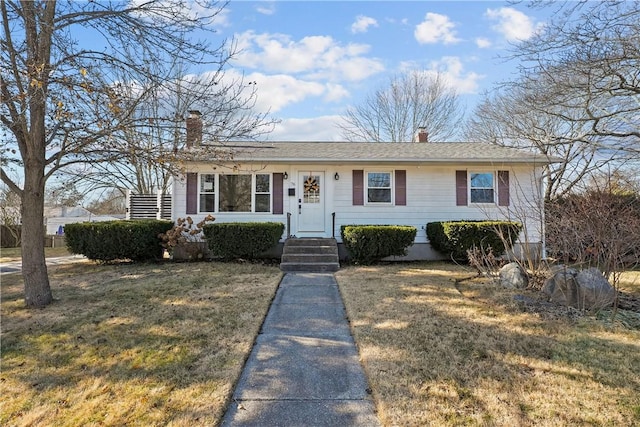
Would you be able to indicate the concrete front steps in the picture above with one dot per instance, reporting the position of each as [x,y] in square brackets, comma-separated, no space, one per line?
[314,255]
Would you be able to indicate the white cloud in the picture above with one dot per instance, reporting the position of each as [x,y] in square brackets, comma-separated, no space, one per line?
[362,24]
[222,18]
[436,28]
[215,16]
[277,91]
[323,128]
[512,24]
[313,56]
[353,70]
[266,8]
[483,43]
[335,92]
[452,69]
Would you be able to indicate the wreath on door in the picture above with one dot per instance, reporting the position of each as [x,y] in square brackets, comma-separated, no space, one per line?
[311,185]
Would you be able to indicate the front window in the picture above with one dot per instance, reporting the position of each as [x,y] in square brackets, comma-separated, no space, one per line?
[379,187]
[207,193]
[263,193]
[482,188]
[235,193]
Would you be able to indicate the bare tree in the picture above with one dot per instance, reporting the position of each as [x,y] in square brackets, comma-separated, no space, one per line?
[64,102]
[598,227]
[112,201]
[64,194]
[410,101]
[514,116]
[10,214]
[577,96]
[227,108]
[587,55]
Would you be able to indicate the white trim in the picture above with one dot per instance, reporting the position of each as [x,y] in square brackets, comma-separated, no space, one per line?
[494,176]
[391,187]
[216,193]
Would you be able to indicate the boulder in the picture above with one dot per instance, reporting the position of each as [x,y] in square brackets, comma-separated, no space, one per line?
[562,287]
[596,291]
[584,290]
[513,276]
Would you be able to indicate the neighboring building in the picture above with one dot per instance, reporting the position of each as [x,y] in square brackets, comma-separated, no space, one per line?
[314,188]
[56,218]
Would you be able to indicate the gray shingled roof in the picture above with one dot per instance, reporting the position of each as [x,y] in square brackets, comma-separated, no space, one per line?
[357,152]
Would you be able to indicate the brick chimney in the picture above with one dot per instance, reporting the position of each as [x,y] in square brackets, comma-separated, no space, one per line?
[422,135]
[194,128]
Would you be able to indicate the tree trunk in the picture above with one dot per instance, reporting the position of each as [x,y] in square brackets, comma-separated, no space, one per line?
[37,292]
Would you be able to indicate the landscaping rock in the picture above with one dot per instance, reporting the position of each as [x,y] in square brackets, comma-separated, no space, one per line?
[562,287]
[584,290]
[597,292]
[513,276]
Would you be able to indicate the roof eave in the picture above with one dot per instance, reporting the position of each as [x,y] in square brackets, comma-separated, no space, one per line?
[403,161]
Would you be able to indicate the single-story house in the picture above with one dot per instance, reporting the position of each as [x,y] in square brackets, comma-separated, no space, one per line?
[314,188]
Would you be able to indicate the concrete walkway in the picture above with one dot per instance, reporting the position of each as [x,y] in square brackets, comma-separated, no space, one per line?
[304,368]
[16,266]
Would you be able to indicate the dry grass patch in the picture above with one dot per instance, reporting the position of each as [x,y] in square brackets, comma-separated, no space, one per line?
[145,345]
[441,354]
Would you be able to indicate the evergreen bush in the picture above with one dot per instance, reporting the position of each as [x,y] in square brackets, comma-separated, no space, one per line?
[106,241]
[455,238]
[367,244]
[247,240]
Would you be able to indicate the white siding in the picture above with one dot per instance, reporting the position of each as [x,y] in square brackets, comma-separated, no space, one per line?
[431,196]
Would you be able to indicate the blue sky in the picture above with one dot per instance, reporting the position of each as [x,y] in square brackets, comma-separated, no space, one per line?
[311,60]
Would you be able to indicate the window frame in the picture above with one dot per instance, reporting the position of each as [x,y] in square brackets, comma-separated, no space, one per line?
[390,187]
[255,193]
[203,193]
[216,193]
[493,188]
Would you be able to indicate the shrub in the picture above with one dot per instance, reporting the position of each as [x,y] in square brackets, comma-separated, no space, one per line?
[367,244]
[597,227]
[231,240]
[185,238]
[455,238]
[112,240]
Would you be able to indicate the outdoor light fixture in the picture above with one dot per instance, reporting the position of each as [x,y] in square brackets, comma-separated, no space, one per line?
[285,175]
[336,176]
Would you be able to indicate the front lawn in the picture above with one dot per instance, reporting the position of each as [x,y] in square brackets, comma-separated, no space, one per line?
[163,344]
[439,352]
[155,344]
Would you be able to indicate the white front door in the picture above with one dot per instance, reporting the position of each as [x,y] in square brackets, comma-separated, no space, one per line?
[311,202]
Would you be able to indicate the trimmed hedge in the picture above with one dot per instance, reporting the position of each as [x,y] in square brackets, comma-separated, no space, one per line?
[367,244]
[136,240]
[454,238]
[231,240]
